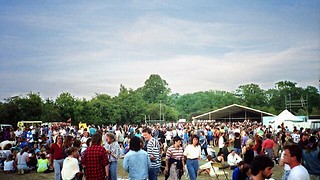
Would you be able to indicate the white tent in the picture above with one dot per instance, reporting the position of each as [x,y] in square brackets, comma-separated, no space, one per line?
[285,117]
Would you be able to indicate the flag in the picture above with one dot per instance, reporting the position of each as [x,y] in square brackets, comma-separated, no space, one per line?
[69,120]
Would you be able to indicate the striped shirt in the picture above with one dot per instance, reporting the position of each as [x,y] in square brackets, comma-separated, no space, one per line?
[174,153]
[153,149]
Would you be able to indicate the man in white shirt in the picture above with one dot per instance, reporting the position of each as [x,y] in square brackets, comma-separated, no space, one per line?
[221,141]
[233,159]
[293,157]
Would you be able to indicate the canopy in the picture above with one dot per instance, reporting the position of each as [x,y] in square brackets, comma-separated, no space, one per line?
[283,117]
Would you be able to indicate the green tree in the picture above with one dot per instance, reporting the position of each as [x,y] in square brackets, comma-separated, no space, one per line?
[50,111]
[66,104]
[155,90]
[252,95]
[131,105]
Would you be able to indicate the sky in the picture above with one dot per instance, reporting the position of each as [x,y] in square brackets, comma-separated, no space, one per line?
[88,47]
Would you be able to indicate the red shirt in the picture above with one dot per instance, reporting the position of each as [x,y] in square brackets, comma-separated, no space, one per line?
[95,159]
[268,143]
[57,152]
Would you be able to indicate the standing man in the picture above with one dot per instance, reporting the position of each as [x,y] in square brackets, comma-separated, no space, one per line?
[153,150]
[261,167]
[293,157]
[95,160]
[57,156]
[113,149]
[221,141]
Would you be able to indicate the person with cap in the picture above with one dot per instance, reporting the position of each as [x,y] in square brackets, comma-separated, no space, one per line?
[174,154]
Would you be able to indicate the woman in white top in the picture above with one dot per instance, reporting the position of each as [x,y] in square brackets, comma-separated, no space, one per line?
[9,164]
[22,159]
[192,152]
[70,166]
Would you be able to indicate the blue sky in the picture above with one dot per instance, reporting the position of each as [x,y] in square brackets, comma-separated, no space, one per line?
[88,47]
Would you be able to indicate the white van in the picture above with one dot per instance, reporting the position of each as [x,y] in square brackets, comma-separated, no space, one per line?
[3,126]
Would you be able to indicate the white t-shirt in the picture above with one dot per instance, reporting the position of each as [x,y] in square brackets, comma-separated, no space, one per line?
[233,160]
[8,165]
[296,138]
[299,173]
[22,159]
[192,152]
[221,142]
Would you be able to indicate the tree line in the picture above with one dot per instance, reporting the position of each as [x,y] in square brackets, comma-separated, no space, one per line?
[145,103]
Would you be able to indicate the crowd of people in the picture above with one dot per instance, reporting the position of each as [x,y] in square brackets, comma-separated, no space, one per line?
[248,148]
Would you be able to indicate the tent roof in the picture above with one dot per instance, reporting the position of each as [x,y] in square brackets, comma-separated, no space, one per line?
[286,115]
[231,109]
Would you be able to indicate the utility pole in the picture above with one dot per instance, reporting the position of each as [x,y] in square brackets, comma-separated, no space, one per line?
[160,110]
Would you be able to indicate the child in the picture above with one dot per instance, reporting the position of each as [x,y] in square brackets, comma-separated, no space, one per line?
[9,164]
[43,164]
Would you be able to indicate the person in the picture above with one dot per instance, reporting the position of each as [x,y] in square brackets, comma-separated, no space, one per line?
[293,157]
[9,165]
[22,159]
[221,142]
[153,150]
[261,167]
[311,157]
[95,160]
[237,143]
[203,143]
[174,154]
[268,146]
[241,172]
[219,158]
[32,159]
[70,169]
[113,149]
[233,159]
[225,150]
[193,152]
[286,167]
[137,162]
[248,152]
[57,156]
[43,164]
[257,148]
[209,169]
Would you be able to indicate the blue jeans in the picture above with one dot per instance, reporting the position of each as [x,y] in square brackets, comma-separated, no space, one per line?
[113,170]
[57,165]
[193,167]
[153,173]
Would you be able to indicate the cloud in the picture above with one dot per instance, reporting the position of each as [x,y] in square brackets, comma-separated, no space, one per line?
[86,48]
